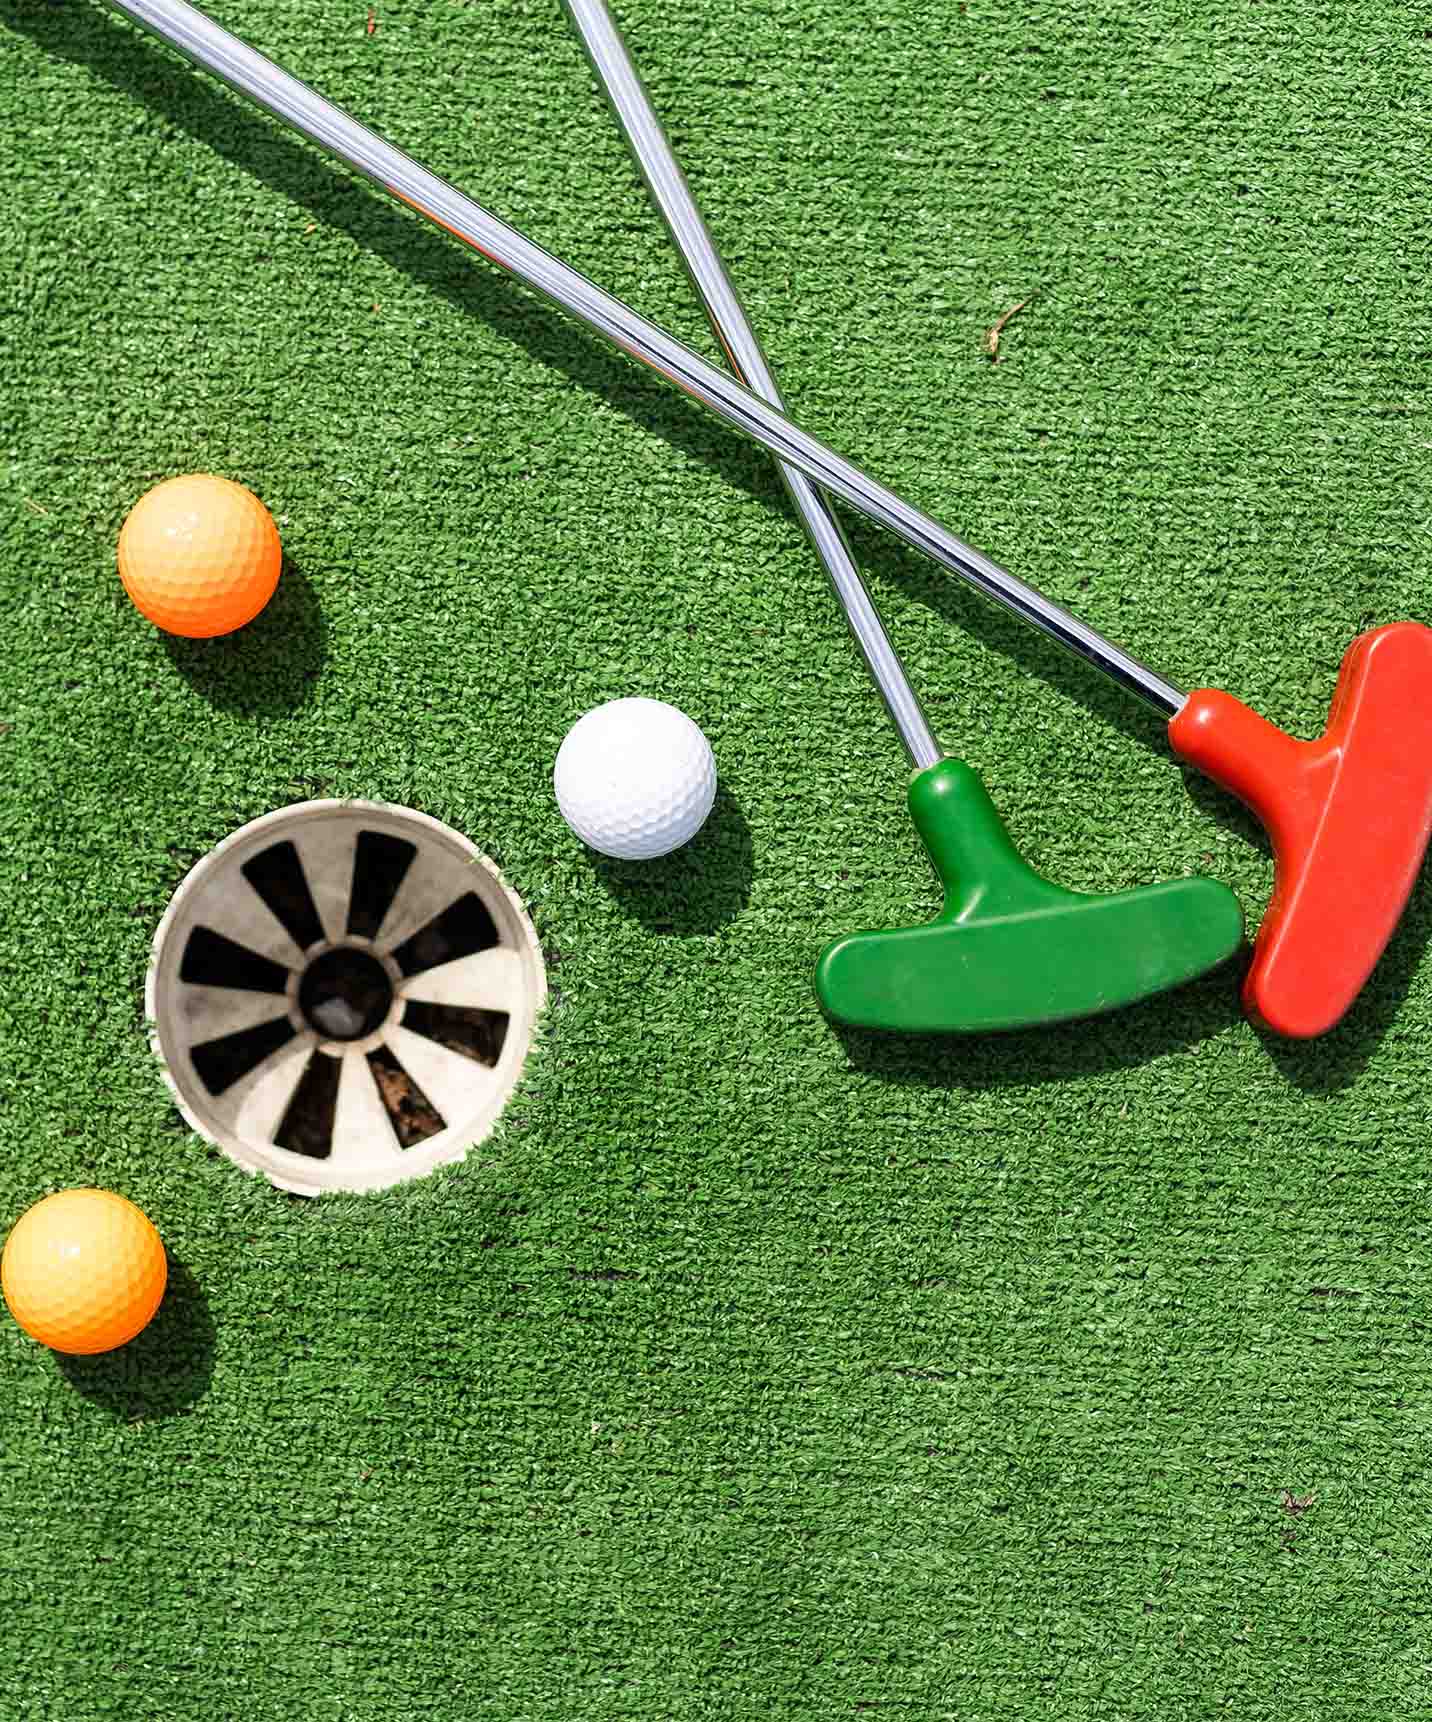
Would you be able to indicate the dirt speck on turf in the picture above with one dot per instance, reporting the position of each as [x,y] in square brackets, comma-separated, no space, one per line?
[1294,1506]
[996,329]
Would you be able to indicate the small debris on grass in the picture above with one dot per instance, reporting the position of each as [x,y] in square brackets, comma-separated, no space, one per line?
[996,329]
[35,508]
[372,21]
[1293,1505]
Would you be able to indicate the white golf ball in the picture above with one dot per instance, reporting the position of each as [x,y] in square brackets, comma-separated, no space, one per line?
[635,779]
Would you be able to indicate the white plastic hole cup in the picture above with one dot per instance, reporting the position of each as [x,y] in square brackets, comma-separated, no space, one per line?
[342,995]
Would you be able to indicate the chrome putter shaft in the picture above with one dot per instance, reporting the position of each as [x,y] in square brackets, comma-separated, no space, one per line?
[654,157]
[219,51]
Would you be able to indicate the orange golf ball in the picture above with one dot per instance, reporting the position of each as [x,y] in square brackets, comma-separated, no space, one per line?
[83,1271]
[199,555]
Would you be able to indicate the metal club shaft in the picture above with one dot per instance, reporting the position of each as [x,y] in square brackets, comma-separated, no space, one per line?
[263,82]
[652,151]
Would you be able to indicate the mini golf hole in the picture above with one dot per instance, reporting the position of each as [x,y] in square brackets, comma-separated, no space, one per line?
[345,994]
[342,995]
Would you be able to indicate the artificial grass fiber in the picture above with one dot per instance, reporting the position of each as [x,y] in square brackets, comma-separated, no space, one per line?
[751,1369]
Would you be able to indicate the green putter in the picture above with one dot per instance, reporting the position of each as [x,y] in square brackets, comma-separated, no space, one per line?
[1009,949]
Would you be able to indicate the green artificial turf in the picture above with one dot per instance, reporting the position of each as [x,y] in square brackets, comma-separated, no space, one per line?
[752,1369]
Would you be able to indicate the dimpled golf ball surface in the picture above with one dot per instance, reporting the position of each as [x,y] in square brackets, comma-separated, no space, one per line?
[199,556]
[635,779]
[83,1271]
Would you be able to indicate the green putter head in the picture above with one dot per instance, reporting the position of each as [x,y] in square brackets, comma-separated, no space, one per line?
[1010,950]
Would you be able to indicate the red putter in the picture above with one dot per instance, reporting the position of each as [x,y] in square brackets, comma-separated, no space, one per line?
[1348,815]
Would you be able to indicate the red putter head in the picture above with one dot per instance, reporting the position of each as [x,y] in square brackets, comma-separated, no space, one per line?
[1348,816]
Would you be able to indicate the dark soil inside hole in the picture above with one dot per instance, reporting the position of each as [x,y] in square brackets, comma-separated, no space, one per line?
[380,864]
[277,875]
[476,1034]
[307,1126]
[223,1062]
[462,929]
[414,1116]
